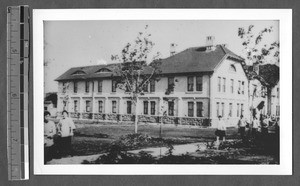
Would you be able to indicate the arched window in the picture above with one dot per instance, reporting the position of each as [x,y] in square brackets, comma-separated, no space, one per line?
[79,72]
[103,70]
[232,68]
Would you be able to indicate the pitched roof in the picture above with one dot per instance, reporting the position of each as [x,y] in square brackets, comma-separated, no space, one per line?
[90,72]
[194,59]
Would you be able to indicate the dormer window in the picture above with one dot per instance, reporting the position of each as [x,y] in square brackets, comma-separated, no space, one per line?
[79,72]
[103,70]
[232,68]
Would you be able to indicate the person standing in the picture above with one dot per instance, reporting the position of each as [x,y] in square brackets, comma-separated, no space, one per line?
[265,125]
[255,127]
[66,132]
[221,131]
[49,132]
[242,127]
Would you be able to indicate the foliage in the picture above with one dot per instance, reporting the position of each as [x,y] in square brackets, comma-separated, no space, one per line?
[270,74]
[255,49]
[138,140]
[117,155]
[170,89]
[51,97]
[132,72]
[229,152]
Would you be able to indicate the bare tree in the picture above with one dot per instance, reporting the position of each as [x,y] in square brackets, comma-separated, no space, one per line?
[132,72]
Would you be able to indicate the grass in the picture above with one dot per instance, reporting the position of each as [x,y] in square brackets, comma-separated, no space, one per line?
[106,138]
[95,138]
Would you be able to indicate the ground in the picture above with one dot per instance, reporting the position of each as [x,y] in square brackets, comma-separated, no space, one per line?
[92,140]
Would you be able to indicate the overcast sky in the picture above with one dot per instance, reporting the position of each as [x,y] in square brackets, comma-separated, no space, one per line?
[82,43]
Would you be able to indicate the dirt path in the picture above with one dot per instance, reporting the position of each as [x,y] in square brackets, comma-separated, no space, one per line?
[74,159]
[156,152]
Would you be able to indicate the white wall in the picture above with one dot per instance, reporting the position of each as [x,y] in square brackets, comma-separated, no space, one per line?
[180,95]
[275,101]
[227,97]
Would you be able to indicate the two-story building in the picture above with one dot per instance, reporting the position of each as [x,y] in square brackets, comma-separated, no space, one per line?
[208,81]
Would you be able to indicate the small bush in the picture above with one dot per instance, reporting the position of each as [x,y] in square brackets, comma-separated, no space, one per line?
[135,141]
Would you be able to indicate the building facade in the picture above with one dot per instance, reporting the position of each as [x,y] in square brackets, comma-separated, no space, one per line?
[208,81]
[264,90]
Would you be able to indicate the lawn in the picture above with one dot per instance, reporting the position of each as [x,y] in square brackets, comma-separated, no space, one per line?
[95,138]
[115,141]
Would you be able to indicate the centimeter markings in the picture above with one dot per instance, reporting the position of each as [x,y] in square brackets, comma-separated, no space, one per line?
[17,91]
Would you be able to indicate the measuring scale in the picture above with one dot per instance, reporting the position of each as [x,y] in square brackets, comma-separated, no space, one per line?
[17,91]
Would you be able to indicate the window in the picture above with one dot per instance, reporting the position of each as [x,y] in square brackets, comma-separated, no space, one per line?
[242,109]
[145,107]
[190,83]
[113,85]
[219,84]
[100,86]
[129,105]
[152,85]
[145,88]
[114,106]
[64,87]
[100,106]
[218,109]
[191,109]
[199,109]
[223,107]
[127,87]
[239,89]
[103,70]
[277,92]
[232,86]
[238,110]
[87,86]
[171,83]
[152,107]
[75,106]
[171,108]
[277,110]
[79,72]
[224,84]
[75,86]
[88,106]
[65,105]
[243,87]
[199,83]
[230,110]
[232,68]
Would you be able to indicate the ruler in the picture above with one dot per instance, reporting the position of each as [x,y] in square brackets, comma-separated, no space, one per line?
[17,92]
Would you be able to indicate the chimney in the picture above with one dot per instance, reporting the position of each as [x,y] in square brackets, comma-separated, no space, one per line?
[210,40]
[173,49]
[225,45]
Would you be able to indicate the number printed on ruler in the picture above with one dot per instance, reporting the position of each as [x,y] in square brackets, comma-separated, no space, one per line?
[17,91]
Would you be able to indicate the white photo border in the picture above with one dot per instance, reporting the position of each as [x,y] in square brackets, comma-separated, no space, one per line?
[284,16]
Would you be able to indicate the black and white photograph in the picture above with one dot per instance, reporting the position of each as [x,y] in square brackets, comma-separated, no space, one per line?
[192,92]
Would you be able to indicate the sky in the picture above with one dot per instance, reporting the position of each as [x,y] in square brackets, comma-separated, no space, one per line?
[70,44]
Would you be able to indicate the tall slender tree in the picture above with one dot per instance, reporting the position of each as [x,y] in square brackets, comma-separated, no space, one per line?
[133,72]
